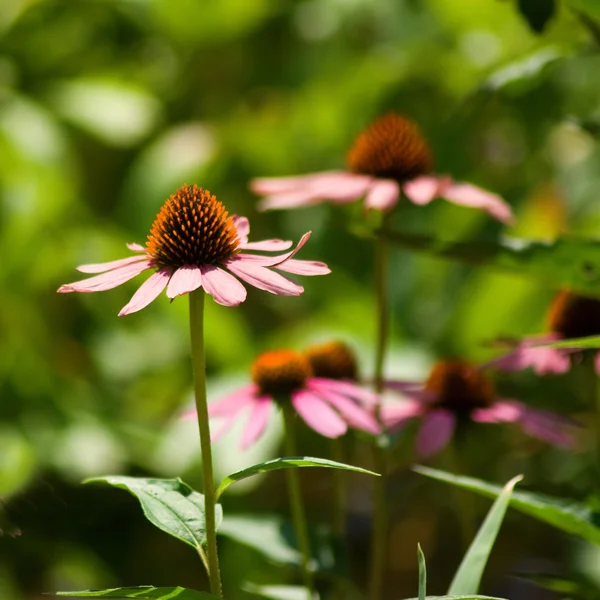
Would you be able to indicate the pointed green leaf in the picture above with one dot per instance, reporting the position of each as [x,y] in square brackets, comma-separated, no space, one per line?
[592,341]
[468,577]
[142,592]
[170,504]
[567,515]
[290,462]
[567,262]
[422,573]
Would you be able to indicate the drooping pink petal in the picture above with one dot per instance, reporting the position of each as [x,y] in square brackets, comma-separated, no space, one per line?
[242,226]
[547,426]
[287,200]
[268,245]
[109,266]
[106,281]
[422,190]
[272,261]
[353,414]
[304,267]
[263,279]
[257,421]
[218,432]
[466,194]
[396,414]
[136,247]
[233,402]
[503,411]
[147,292]
[346,388]
[436,431]
[186,279]
[222,286]
[383,195]
[267,186]
[541,359]
[318,415]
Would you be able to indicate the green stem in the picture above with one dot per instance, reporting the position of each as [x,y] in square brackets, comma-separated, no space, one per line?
[199,370]
[379,535]
[339,483]
[297,506]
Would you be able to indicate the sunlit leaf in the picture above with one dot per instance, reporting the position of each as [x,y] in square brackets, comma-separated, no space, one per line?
[568,263]
[567,515]
[290,462]
[277,592]
[589,7]
[422,573]
[142,592]
[537,13]
[468,597]
[170,504]
[575,343]
[467,578]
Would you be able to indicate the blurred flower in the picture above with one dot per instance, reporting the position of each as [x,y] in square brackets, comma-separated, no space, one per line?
[334,360]
[191,243]
[326,405]
[569,316]
[387,158]
[456,390]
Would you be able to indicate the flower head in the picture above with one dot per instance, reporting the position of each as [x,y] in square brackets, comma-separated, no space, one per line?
[389,157]
[569,316]
[326,405]
[194,243]
[456,390]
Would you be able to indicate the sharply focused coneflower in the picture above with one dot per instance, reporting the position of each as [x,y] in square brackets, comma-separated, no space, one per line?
[194,243]
[388,158]
[455,391]
[284,376]
[569,316]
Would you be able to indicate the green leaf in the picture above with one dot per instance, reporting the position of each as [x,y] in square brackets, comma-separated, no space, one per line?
[575,343]
[170,504]
[567,262]
[468,577]
[290,462]
[468,597]
[537,13]
[142,592]
[277,592]
[422,573]
[566,515]
[590,7]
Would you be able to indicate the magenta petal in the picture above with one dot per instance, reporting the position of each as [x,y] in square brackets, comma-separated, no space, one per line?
[383,195]
[503,411]
[109,266]
[267,186]
[470,195]
[548,426]
[257,421]
[147,292]
[597,363]
[346,388]
[395,415]
[136,247]
[242,226]
[186,279]
[233,402]
[287,200]
[353,414]
[318,415]
[435,433]
[269,245]
[422,190]
[222,286]
[304,267]
[543,360]
[106,281]
[272,261]
[263,279]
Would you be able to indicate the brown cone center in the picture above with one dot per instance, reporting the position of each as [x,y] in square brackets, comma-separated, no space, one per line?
[280,372]
[333,360]
[574,316]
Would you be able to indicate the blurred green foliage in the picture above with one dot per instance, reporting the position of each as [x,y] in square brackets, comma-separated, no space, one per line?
[108,106]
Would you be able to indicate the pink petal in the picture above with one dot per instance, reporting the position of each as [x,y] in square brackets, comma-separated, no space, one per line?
[109,266]
[383,195]
[472,196]
[405,387]
[262,278]
[222,428]
[504,411]
[394,415]
[233,402]
[186,279]
[257,421]
[597,363]
[222,286]
[136,247]
[318,415]
[147,292]
[346,388]
[548,426]
[304,267]
[266,186]
[242,226]
[422,190]
[436,431]
[107,281]
[272,261]
[268,245]
[287,200]
[353,414]
[543,360]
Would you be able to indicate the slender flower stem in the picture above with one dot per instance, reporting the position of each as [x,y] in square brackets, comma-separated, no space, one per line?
[296,503]
[379,535]
[199,370]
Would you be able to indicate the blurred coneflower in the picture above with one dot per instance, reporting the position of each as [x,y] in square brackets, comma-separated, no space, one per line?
[389,157]
[456,390]
[194,243]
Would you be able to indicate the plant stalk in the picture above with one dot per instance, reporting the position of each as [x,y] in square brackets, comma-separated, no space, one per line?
[199,371]
[296,503]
